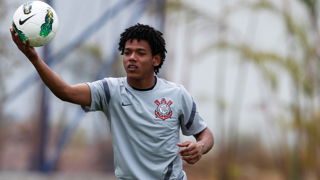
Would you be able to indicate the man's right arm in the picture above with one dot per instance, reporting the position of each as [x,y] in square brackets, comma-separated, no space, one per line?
[78,94]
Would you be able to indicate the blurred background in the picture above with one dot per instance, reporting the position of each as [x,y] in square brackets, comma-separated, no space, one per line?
[250,65]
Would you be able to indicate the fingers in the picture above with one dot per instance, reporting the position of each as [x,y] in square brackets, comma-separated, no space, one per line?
[16,38]
[188,147]
[191,156]
[191,159]
[191,153]
[21,45]
[12,32]
[13,35]
[28,43]
[184,144]
[24,47]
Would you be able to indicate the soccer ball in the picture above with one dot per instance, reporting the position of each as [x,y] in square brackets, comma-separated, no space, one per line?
[36,21]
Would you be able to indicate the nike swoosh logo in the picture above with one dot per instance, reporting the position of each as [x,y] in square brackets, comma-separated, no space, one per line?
[123,104]
[22,22]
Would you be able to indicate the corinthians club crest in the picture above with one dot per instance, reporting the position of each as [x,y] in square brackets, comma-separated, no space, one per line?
[163,110]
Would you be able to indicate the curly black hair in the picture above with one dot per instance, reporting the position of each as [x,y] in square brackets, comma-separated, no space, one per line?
[149,34]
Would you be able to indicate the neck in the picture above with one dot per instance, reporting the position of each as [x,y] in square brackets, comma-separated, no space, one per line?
[142,84]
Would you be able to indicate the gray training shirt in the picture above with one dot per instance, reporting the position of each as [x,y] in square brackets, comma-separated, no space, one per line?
[145,126]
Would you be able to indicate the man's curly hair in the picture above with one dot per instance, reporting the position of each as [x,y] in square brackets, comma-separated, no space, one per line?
[149,34]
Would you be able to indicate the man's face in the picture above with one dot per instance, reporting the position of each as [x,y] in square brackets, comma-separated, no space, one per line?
[138,60]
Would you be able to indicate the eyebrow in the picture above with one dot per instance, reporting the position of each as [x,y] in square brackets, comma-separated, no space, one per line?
[138,49]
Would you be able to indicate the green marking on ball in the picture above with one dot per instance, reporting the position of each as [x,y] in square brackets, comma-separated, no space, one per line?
[46,27]
[22,36]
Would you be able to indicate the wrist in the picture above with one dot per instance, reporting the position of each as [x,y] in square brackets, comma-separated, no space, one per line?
[31,55]
[34,59]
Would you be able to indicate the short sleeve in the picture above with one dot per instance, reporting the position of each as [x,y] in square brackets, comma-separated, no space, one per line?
[190,120]
[100,96]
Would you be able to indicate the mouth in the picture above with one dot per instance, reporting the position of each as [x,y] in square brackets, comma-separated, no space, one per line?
[132,67]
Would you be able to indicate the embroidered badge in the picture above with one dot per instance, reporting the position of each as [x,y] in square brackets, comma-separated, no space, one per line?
[163,111]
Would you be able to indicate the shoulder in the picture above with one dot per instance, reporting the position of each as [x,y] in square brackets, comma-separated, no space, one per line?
[169,84]
[172,86]
[105,84]
[114,81]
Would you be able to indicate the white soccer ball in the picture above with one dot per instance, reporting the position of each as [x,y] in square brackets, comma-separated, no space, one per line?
[36,21]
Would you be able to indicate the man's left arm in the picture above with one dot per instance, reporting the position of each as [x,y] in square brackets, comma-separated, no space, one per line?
[192,151]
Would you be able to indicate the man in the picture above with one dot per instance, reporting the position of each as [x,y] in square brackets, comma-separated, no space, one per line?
[145,111]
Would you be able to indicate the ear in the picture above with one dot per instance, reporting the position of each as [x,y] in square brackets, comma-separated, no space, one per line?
[156,60]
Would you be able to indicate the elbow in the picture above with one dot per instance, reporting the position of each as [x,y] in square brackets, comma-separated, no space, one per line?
[63,94]
[63,98]
[211,140]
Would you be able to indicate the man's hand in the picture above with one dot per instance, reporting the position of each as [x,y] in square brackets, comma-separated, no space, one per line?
[191,152]
[25,48]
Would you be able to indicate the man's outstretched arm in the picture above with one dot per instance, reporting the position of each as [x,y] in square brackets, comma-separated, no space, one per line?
[193,151]
[78,94]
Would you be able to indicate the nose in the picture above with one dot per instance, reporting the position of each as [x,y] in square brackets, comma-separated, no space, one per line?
[132,56]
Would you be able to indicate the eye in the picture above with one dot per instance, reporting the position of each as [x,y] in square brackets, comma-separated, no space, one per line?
[141,53]
[126,53]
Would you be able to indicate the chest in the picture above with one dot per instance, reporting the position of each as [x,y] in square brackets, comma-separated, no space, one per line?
[156,111]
